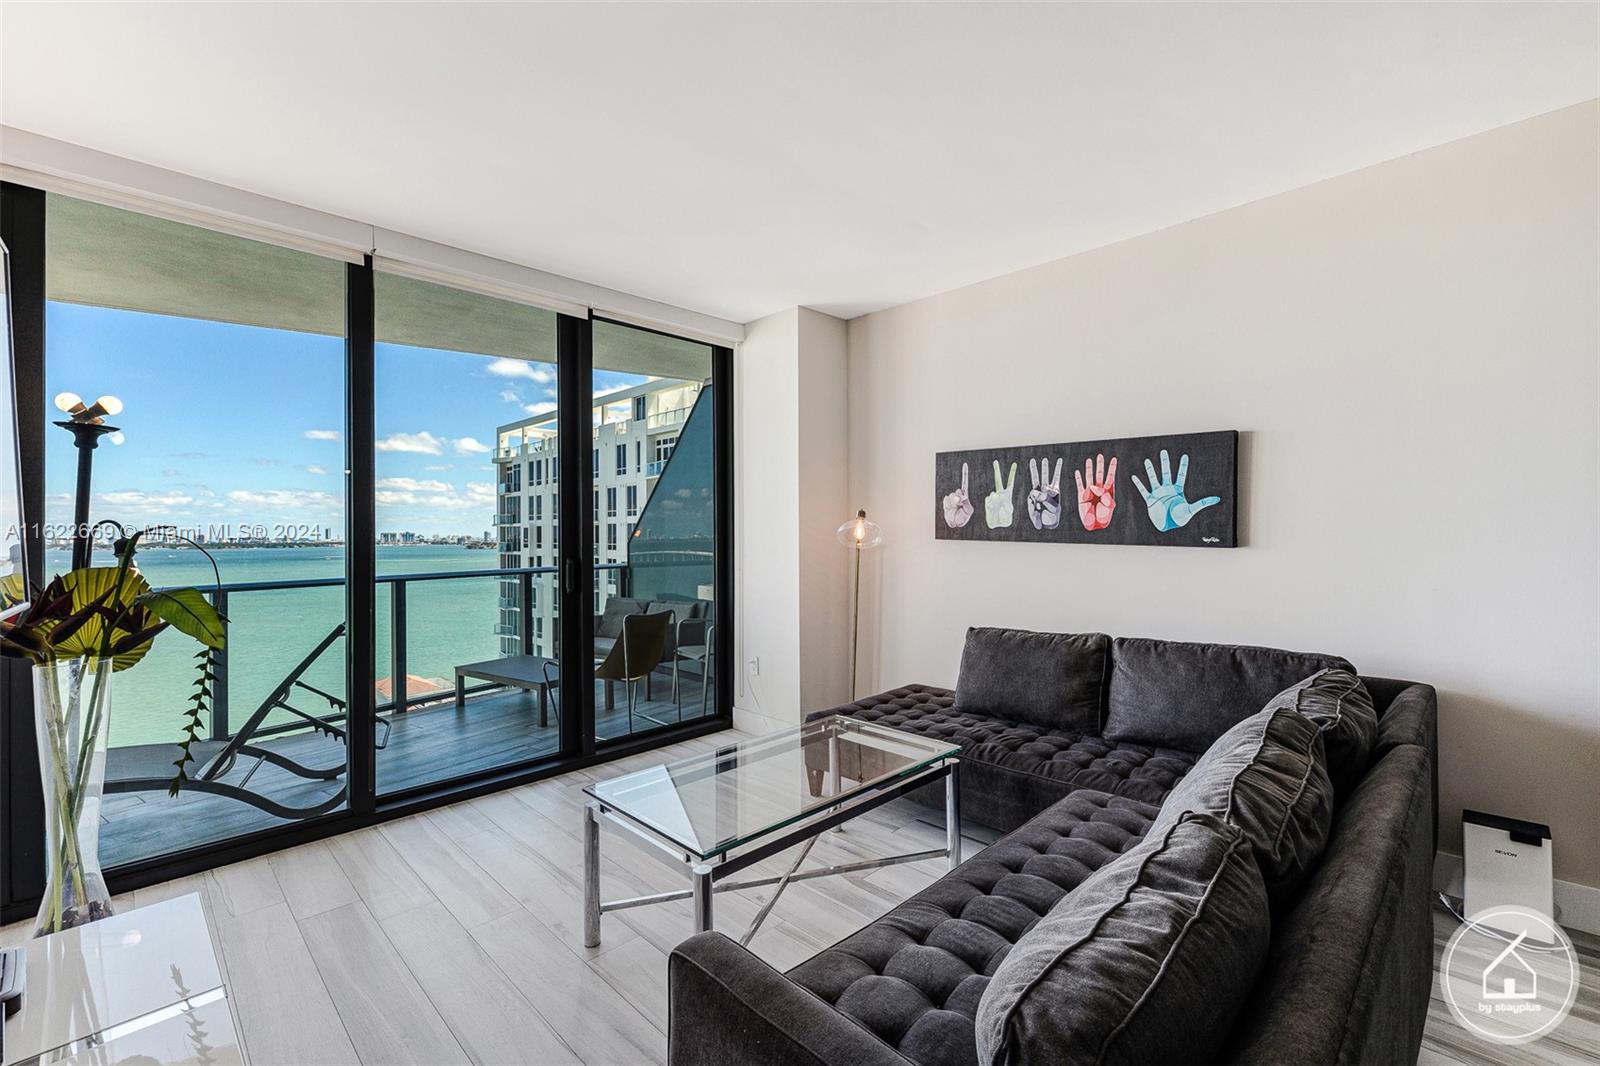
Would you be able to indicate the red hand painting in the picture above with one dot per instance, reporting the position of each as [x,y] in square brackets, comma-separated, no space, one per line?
[1097,492]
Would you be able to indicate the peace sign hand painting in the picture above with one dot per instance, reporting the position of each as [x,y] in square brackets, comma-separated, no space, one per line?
[997,506]
[958,505]
[1168,508]
[1044,502]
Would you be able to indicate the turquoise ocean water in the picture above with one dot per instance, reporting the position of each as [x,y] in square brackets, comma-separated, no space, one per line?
[448,622]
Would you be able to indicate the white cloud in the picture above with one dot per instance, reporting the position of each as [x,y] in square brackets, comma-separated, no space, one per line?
[470,446]
[423,443]
[322,434]
[434,495]
[539,408]
[291,498]
[437,467]
[510,395]
[137,500]
[522,368]
[411,484]
[315,469]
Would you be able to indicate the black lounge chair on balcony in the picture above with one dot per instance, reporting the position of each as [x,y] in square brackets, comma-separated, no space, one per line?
[149,767]
[635,657]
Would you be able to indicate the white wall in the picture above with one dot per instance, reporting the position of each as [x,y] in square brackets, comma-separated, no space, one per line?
[824,456]
[790,495]
[1411,353]
[767,522]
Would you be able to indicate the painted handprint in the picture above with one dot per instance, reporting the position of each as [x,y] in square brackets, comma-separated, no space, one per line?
[1097,492]
[1044,501]
[1168,508]
[997,506]
[958,505]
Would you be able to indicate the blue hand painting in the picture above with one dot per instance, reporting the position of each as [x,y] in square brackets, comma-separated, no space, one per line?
[1168,508]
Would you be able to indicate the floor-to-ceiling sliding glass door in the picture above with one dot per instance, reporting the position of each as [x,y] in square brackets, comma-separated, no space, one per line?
[653,493]
[226,357]
[467,492]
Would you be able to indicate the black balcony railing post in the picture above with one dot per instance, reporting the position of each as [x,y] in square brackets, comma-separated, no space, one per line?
[219,684]
[397,654]
[525,587]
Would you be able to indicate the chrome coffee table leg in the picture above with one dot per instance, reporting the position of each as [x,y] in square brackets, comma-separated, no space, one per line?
[591,875]
[952,816]
[703,891]
[833,771]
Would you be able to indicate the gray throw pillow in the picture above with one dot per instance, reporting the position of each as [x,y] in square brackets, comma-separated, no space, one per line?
[617,608]
[679,609]
[1051,680]
[1342,708]
[1267,776]
[1149,960]
[1180,695]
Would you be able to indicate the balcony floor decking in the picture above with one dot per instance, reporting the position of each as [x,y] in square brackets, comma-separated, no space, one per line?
[426,746]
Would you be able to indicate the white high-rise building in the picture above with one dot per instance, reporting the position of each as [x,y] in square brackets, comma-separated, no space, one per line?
[634,433]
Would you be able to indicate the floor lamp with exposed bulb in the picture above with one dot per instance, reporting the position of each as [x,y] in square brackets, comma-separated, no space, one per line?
[858,535]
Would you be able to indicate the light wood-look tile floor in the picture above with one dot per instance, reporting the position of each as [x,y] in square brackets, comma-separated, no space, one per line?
[456,936]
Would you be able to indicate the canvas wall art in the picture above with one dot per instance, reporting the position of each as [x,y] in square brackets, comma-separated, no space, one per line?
[1175,490]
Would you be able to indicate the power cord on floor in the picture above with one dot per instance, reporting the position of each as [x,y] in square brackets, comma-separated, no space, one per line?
[1450,904]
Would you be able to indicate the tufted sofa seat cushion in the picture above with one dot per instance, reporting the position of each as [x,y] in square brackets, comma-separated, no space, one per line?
[1012,770]
[915,976]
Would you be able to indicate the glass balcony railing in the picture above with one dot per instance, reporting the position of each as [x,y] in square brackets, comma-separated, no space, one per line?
[666,419]
[452,598]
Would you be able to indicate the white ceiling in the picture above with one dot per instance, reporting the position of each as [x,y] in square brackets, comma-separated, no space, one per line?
[739,159]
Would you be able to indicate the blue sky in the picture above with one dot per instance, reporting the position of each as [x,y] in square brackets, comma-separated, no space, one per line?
[240,426]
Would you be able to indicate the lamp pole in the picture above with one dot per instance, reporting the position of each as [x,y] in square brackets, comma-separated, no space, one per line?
[86,438]
[857,534]
[855,616]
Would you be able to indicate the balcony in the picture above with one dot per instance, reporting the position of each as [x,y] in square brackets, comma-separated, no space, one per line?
[666,419]
[654,468]
[428,739]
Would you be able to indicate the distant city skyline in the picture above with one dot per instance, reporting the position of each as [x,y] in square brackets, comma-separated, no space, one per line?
[254,439]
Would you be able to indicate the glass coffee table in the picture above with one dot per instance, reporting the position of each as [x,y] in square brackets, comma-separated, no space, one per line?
[716,814]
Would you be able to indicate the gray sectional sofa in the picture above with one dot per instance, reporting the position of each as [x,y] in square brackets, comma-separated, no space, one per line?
[1216,854]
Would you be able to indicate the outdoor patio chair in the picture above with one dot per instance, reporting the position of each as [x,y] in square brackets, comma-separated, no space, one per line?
[148,767]
[693,644]
[635,657]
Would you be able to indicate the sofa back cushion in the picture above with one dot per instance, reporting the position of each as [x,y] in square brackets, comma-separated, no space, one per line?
[1266,776]
[679,609]
[617,608]
[1181,695]
[1340,705]
[1149,960]
[1053,680]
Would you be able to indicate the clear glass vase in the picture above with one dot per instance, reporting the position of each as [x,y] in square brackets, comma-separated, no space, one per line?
[72,706]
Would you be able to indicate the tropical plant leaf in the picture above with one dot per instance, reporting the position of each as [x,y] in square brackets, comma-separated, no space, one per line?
[12,590]
[94,611]
[193,715]
[188,612]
